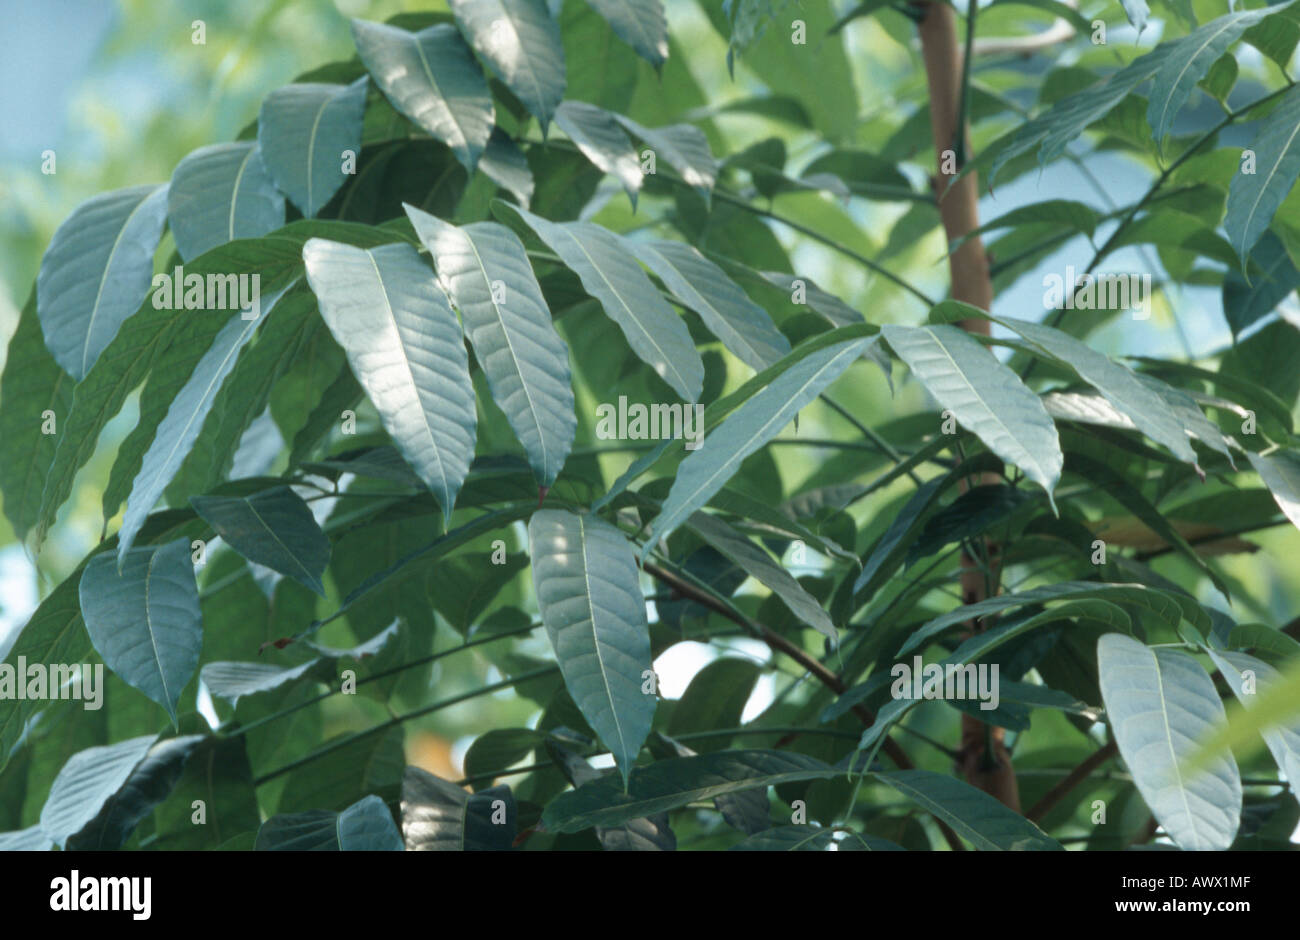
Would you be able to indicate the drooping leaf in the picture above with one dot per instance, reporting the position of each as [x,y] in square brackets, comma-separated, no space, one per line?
[668,784]
[35,391]
[432,78]
[984,395]
[521,43]
[640,24]
[585,575]
[1249,677]
[743,326]
[185,416]
[144,618]
[1272,278]
[305,132]
[96,271]
[88,781]
[485,271]
[972,813]
[602,141]
[1161,704]
[274,528]
[438,816]
[505,164]
[647,834]
[235,680]
[751,426]
[220,193]
[1253,198]
[656,334]
[405,347]
[758,564]
[683,147]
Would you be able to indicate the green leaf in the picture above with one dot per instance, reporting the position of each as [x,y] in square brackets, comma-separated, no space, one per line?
[743,326]
[1248,677]
[751,426]
[647,834]
[655,332]
[984,395]
[32,384]
[972,813]
[1280,472]
[438,816]
[1117,383]
[669,784]
[149,784]
[585,576]
[235,680]
[351,767]
[405,347]
[521,43]
[485,271]
[1253,198]
[274,528]
[218,773]
[303,131]
[220,193]
[640,24]
[31,839]
[1272,277]
[1178,74]
[602,141]
[683,146]
[715,698]
[903,530]
[144,619]
[799,838]
[431,77]
[1161,704]
[185,417]
[1137,12]
[365,826]
[1169,608]
[86,783]
[505,164]
[96,271]
[759,565]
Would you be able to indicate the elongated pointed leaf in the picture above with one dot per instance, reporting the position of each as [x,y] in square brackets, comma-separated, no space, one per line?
[1248,678]
[683,147]
[521,43]
[365,826]
[274,528]
[610,274]
[647,834]
[743,326]
[1178,75]
[972,813]
[304,131]
[759,565]
[1280,472]
[97,271]
[1117,383]
[235,680]
[438,816]
[640,24]
[751,426]
[668,784]
[405,347]
[485,271]
[1272,278]
[585,575]
[220,193]
[34,391]
[602,141]
[1253,198]
[185,416]
[87,781]
[1161,704]
[432,78]
[144,620]
[505,164]
[984,395]
[31,839]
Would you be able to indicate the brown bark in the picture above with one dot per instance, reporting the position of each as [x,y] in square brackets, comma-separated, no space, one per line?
[984,759]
